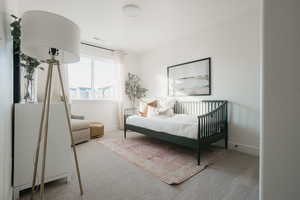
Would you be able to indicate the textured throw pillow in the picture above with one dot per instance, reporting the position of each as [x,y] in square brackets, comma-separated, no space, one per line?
[145,107]
[152,104]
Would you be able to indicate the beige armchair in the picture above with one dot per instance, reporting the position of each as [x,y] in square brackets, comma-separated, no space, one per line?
[80,129]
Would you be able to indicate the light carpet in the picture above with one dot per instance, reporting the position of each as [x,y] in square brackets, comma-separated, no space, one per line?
[171,163]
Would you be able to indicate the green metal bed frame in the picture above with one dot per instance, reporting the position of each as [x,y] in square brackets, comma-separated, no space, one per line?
[212,124]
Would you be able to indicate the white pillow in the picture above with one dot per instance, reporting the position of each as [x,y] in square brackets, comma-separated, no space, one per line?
[143,103]
[166,106]
[166,102]
[142,106]
[169,112]
[152,111]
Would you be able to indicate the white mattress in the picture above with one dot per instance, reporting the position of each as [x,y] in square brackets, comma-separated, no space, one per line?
[179,124]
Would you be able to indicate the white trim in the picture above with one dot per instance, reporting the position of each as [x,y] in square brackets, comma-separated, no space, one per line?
[85,101]
[10,194]
[248,149]
[17,189]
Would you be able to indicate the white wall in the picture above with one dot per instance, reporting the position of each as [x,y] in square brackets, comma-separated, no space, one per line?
[5,102]
[234,48]
[132,64]
[280,160]
[106,111]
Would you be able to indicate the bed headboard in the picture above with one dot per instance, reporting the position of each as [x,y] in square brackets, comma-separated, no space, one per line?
[197,107]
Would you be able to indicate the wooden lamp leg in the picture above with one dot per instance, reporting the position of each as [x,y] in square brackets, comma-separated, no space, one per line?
[69,126]
[42,193]
[45,113]
[40,137]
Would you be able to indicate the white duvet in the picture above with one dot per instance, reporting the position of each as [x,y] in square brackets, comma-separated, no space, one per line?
[179,124]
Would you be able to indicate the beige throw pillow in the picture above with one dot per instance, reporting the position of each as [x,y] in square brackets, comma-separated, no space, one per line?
[145,110]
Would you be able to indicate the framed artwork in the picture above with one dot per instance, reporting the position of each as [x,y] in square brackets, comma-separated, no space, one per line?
[190,79]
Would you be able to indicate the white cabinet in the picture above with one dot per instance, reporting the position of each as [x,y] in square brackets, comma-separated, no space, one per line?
[59,156]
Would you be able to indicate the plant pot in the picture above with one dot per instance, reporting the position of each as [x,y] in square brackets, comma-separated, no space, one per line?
[29,94]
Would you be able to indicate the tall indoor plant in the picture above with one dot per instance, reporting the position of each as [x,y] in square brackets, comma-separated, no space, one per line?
[28,63]
[133,89]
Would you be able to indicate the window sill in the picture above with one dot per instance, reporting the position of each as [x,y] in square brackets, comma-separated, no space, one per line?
[83,101]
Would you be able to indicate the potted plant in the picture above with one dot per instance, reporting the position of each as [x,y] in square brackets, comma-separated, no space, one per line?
[28,63]
[133,89]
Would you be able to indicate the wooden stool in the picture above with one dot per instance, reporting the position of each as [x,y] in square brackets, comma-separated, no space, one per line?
[97,129]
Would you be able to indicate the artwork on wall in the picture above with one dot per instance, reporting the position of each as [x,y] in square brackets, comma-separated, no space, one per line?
[190,79]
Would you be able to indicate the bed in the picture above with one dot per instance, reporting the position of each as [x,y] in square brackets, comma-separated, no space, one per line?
[194,124]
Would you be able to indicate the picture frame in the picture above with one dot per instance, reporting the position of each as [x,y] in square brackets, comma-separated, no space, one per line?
[190,78]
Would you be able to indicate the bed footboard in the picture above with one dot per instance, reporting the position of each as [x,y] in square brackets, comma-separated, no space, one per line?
[212,120]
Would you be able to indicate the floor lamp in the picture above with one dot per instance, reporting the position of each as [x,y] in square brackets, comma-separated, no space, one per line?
[54,40]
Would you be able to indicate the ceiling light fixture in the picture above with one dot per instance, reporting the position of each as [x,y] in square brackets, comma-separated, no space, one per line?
[131,10]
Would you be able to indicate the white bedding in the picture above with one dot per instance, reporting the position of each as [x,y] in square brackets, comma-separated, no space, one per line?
[179,124]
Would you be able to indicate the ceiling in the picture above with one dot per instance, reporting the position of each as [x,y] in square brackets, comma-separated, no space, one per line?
[160,21]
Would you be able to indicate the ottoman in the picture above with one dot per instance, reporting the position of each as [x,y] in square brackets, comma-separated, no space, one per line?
[97,129]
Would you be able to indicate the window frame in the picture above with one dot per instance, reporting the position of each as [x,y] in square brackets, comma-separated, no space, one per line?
[93,90]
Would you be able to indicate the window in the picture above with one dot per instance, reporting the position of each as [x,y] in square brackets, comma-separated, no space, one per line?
[92,79]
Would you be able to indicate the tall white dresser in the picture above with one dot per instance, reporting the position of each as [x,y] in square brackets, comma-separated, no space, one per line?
[59,156]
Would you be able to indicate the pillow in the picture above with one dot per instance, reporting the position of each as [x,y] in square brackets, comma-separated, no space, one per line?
[152,111]
[169,112]
[144,107]
[166,106]
[143,114]
[167,102]
[152,104]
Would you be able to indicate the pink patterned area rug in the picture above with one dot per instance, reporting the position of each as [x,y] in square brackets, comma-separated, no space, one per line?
[172,164]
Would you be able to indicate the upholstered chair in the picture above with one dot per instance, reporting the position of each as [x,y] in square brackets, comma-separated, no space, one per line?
[80,129]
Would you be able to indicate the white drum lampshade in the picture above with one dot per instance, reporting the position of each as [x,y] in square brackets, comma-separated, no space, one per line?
[43,30]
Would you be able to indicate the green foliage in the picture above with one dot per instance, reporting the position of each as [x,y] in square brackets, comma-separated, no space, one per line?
[16,31]
[133,88]
[30,64]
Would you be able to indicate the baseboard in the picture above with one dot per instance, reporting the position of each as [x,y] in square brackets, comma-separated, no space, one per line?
[10,194]
[112,128]
[248,149]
